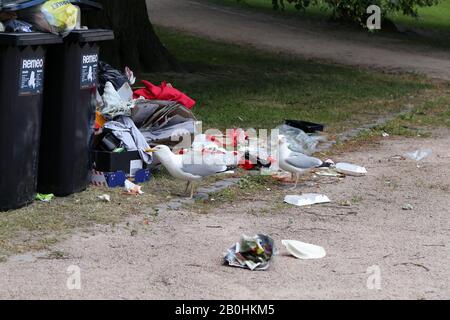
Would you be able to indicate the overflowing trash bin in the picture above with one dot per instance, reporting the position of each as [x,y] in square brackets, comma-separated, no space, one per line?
[69,112]
[22,70]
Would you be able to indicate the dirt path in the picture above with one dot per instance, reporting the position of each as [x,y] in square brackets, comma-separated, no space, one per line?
[294,36]
[178,256]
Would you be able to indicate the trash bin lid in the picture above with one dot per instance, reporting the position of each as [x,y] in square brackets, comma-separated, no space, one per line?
[90,35]
[87,4]
[15,5]
[28,39]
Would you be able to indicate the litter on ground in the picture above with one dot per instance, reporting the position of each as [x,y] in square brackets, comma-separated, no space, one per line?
[351,170]
[252,253]
[308,199]
[419,155]
[304,251]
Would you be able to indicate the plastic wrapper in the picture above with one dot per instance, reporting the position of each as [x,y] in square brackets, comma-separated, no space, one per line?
[18,26]
[299,141]
[252,253]
[107,73]
[420,155]
[113,105]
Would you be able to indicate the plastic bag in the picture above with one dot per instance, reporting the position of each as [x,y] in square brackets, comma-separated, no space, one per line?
[18,26]
[299,141]
[420,155]
[113,105]
[54,16]
[106,73]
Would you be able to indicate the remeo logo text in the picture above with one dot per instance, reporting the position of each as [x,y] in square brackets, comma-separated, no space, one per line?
[90,59]
[33,64]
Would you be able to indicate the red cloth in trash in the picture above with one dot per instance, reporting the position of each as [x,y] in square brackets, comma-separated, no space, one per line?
[163,92]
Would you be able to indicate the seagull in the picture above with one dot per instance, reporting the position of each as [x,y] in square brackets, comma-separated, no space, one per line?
[183,167]
[295,162]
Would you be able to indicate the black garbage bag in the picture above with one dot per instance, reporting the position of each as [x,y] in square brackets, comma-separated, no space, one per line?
[106,73]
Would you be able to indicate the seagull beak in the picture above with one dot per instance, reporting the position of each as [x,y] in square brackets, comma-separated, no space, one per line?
[151,150]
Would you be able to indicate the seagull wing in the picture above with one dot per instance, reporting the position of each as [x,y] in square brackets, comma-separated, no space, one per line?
[203,170]
[302,161]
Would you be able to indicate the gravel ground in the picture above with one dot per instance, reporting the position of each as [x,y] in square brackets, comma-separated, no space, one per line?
[179,254]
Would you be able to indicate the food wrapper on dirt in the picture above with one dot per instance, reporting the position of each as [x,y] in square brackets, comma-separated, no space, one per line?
[252,253]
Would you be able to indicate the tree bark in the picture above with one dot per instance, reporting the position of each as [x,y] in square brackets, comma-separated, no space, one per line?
[136,44]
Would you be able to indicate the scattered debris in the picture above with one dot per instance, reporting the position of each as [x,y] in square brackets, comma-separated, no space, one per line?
[408,207]
[105,198]
[351,170]
[413,264]
[252,253]
[133,188]
[304,251]
[329,173]
[345,203]
[306,199]
[419,155]
[402,158]
[45,197]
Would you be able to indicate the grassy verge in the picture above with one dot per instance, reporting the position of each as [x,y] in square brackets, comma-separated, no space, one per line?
[432,18]
[241,87]
[235,87]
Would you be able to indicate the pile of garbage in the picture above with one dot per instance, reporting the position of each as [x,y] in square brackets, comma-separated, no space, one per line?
[53,16]
[133,121]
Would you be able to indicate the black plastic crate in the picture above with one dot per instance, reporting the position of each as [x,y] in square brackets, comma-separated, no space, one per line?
[307,127]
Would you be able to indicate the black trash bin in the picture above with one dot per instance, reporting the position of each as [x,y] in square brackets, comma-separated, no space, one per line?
[22,69]
[69,112]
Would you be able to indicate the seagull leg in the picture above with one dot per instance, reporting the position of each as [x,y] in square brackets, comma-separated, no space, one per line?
[192,190]
[296,181]
[187,187]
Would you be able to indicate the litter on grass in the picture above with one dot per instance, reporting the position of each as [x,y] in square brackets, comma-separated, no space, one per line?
[105,198]
[308,199]
[304,251]
[252,253]
[133,188]
[44,197]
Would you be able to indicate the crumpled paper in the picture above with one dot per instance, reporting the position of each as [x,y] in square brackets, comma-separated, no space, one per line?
[252,253]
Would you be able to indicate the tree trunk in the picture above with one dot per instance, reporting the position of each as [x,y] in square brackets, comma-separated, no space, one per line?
[136,44]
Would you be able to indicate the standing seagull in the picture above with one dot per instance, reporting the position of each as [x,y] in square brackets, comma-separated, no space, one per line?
[180,167]
[296,163]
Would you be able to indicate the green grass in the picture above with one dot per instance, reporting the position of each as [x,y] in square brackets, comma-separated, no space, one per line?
[242,87]
[434,18]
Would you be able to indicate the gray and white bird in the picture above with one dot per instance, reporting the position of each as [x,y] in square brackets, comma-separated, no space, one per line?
[183,168]
[296,163]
